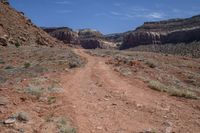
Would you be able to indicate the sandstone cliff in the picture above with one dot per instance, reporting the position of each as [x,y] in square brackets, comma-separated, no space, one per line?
[64,34]
[170,31]
[86,38]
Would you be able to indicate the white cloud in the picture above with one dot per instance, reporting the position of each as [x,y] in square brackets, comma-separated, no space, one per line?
[155,15]
[116,13]
[63,2]
[64,11]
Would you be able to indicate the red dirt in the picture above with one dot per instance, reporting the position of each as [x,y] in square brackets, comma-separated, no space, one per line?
[102,101]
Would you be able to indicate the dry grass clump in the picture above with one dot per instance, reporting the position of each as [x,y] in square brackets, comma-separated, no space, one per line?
[64,126]
[35,91]
[156,85]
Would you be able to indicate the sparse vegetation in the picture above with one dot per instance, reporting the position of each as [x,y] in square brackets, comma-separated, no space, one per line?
[64,126]
[150,64]
[49,118]
[27,65]
[9,67]
[23,116]
[51,99]
[17,44]
[156,85]
[175,75]
[183,49]
[2,61]
[35,90]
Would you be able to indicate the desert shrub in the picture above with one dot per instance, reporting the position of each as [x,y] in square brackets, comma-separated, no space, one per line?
[150,64]
[23,116]
[51,100]
[36,91]
[156,85]
[184,93]
[27,65]
[72,64]
[17,44]
[64,126]
[2,61]
[9,67]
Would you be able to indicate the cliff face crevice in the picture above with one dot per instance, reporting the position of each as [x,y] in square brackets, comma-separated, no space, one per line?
[164,32]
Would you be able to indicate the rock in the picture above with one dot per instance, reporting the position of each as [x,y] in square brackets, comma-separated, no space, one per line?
[99,128]
[10,121]
[138,105]
[168,126]
[22,38]
[3,41]
[148,131]
[3,101]
[23,116]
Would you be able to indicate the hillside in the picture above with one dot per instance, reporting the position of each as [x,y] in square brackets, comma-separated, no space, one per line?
[18,29]
[31,62]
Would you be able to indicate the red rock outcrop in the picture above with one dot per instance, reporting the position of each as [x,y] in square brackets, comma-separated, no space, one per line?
[163,32]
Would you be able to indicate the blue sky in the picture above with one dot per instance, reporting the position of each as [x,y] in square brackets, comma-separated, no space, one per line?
[107,16]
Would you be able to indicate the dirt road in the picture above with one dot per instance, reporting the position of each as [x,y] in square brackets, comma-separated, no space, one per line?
[102,101]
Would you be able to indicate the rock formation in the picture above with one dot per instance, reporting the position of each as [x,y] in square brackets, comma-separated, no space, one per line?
[163,32]
[92,39]
[86,38]
[64,34]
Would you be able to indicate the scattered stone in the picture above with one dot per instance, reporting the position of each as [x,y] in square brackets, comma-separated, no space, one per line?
[99,128]
[138,105]
[148,131]
[3,41]
[114,104]
[10,120]
[23,116]
[168,125]
[3,101]
[22,38]
[43,99]
[21,130]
